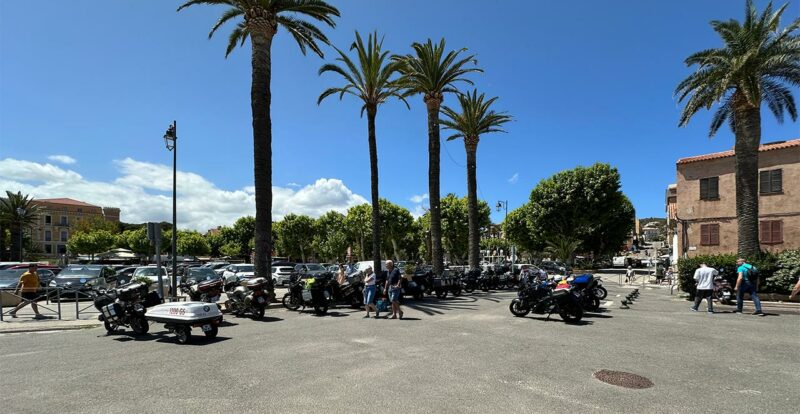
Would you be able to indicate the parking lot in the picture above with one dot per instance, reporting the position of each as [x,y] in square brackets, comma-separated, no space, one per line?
[466,354]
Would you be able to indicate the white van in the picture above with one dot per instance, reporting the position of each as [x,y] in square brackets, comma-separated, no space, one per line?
[619,261]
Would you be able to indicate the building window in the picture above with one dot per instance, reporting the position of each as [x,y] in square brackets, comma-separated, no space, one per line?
[48,248]
[80,210]
[709,234]
[63,220]
[62,249]
[48,235]
[771,232]
[709,188]
[48,220]
[770,182]
[63,236]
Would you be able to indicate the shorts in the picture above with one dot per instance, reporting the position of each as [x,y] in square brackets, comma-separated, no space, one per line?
[394,295]
[29,295]
[369,294]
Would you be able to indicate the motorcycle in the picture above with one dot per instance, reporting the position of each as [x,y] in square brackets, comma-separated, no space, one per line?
[250,297]
[208,291]
[541,298]
[125,306]
[723,291]
[586,285]
[311,293]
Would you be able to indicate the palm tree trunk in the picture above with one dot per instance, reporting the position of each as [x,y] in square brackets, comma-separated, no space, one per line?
[373,170]
[437,255]
[395,250]
[15,243]
[2,243]
[261,100]
[748,138]
[471,145]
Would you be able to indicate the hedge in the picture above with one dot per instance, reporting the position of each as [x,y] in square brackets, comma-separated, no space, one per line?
[778,273]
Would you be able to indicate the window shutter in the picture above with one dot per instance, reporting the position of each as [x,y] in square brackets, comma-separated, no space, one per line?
[713,237]
[765,232]
[777,231]
[776,181]
[713,187]
[763,182]
[703,234]
[703,189]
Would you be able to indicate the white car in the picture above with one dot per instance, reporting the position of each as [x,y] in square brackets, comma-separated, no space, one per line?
[238,272]
[151,272]
[281,275]
[361,266]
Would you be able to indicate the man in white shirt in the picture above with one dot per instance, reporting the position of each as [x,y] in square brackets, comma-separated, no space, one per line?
[704,276]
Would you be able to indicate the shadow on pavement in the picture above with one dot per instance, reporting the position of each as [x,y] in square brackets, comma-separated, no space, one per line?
[439,307]
[543,318]
[596,315]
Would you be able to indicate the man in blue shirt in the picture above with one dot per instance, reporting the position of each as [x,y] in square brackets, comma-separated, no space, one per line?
[393,286]
[746,283]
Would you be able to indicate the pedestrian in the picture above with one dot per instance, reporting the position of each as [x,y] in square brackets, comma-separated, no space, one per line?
[341,276]
[795,291]
[28,287]
[369,292]
[704,276]
[629,274]
[524,275]
[747,282]
[393,286]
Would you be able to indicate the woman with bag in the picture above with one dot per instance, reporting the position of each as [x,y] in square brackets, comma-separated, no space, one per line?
[369,291]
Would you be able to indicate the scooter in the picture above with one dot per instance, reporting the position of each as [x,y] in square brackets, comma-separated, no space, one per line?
[125,306]
[541,298]
[248,298]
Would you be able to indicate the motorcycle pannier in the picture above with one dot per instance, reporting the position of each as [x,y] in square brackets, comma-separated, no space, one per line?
[257,283]
[102,301]
[113,312]
[207,285]
[133,291]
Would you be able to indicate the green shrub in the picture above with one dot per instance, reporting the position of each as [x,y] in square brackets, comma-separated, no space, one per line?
[767,265]
[145,280]
[787,271]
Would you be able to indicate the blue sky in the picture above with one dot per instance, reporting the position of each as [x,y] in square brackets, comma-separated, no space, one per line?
[586,81]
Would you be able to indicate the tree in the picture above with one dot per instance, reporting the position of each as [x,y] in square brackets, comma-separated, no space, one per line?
[330,236]
[432,73]
[455,225]
[358,224]
[296,235]
[17,212]
[584,204]
[755,65]
[261,19]
[91,243]
[87,225]
[371,81]
[515,227]
[215,242]
[137,241]
[562,248]
[192,243]
[475,119]
[239,235]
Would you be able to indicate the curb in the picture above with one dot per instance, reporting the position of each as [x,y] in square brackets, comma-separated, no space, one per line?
[29,329]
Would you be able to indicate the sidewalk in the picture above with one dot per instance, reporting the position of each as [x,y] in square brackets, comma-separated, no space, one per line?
[24,324]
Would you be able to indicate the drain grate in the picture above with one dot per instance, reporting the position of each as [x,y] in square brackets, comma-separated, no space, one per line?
[623,379]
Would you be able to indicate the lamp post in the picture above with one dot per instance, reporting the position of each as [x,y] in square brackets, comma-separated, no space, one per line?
[20,214]
[171,141]
[500,206]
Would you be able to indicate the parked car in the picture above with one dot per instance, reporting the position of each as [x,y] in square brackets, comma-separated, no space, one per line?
[9,278]
[151,272]
[80,277]
[217,267]
[552,267]
[282,275]
[198,274]
[360,266]
[310,269]
[240,271]
[53,268]
[124,275]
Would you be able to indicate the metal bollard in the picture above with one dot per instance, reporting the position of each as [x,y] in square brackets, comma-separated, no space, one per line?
[624,304]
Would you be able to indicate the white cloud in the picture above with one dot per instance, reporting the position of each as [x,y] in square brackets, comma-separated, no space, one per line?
[64,159]
[293,185]
[418,211]
[514,178]
[143,192]
[419,198]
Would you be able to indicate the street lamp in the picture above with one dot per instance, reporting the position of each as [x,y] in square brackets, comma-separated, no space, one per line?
[20,214]
[171,141]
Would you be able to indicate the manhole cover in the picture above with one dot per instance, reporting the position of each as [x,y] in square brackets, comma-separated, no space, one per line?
[623,379]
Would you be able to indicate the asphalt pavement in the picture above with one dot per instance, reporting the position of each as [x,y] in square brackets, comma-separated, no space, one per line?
[459,355]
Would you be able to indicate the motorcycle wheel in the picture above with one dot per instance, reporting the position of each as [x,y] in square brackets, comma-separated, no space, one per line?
[419,295]
[591,303]
[441,294]
[517,309]
[355,300]
[212,333]
[457,291]
[139,325]
[600,292]
[469,289]
[258,313]
[184,334]
[571,312]
[110,328]
[321,310]
[291,302]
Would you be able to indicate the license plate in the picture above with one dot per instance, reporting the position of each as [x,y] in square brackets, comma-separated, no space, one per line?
[726,295]
[206,328]
[261,299]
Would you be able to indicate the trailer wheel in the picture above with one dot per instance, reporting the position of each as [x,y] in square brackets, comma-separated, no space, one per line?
[213,332]
[258,313]
[184,334]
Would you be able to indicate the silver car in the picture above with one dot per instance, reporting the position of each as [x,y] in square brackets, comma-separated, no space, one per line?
[282,275]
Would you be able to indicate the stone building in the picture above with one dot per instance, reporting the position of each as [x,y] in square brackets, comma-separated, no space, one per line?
[58,216]
[705,201]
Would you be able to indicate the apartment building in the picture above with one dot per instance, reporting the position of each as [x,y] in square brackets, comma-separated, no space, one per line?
[58,216]
[704,200]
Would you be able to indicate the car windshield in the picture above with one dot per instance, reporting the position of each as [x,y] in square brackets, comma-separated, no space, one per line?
[11,274]
[315,267]
[148,271]
[201,273]
[80,272]
[244,268]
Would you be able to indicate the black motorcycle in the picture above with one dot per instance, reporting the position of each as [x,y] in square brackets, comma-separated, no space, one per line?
[314,295]
[587,286]
[125,306]
[541,298]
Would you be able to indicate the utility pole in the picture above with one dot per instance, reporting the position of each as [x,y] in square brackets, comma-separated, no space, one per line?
[171,141]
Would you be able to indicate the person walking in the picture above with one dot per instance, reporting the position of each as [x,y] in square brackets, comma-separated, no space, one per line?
[341,276]
[369,292]
[393,286]
[747,282]
[28,287]
[704,276]
[629,274]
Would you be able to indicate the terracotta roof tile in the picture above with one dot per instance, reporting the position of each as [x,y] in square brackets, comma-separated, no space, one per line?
[730,153]
[65,201]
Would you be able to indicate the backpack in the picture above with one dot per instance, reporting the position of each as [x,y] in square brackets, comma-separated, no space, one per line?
[752,274]
[382,305]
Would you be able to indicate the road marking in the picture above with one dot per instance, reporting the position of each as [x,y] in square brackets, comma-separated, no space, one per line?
[20,354]
[608,303]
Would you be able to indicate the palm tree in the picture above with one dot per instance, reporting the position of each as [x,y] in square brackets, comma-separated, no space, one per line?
[432,73]
[562,248]
[16,213]
[755,64]
[261,20]
[370,80]
[476,119]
